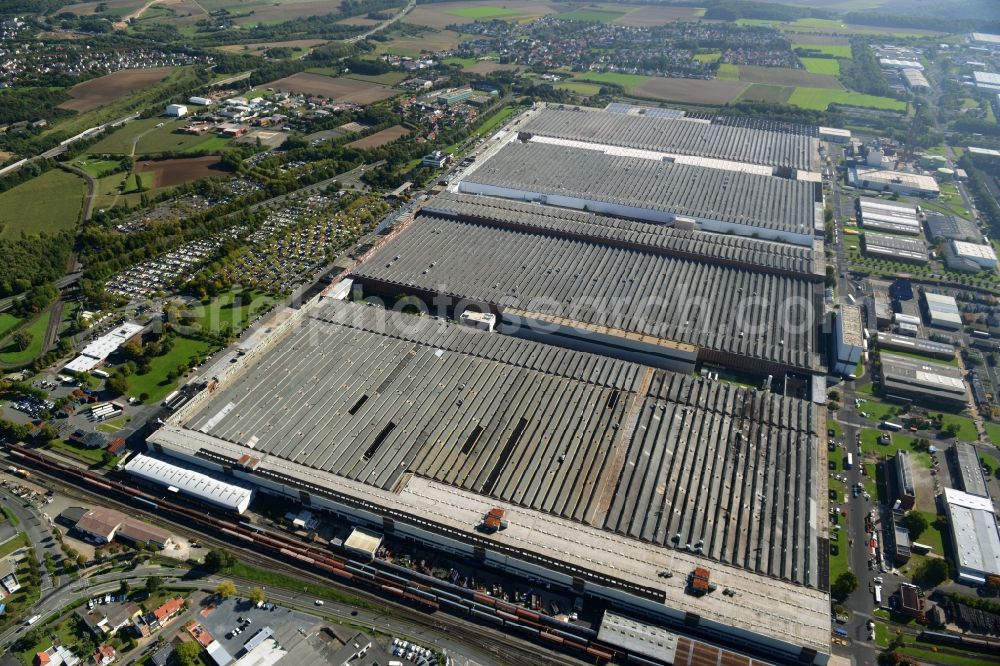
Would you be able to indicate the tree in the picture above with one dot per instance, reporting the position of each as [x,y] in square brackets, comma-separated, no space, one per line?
[22,339]
[916,523]
[217,559]
[153,585]
[951,430]
[845,584]
[116,384]
[188,653]
[225,589]
[124,588]
[257,595]
[932,572]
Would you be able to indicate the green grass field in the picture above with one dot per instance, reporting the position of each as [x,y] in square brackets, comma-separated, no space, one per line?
[592,15]
[626,81]
[707,57]
[835,50]
[96,167]
[150,139]
[11,355]
[993,433]
[222,309]
[821,66]
[482,12]
[579,87]
[50,203]
[728,72]
[821,98]
[155,382]
[8,322]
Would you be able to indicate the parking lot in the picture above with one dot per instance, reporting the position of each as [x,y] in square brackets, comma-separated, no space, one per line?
[238,613]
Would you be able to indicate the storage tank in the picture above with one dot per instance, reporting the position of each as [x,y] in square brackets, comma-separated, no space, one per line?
[945,174]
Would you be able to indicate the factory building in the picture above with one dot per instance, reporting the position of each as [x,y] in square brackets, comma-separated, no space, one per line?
[921,347]
[982,255]
[896,63]
[176,110]
[987,81]
[900,182]
[948,228]
[203,487]
[895,248]
[942,311]
[903,487]
[655,295]
[95,353]
[657,191]
[835,135]
[974,537]
[922,381]
[901,543]
[882,304]
[970,470]
[915,80]
[985,39]
[849,340]
[878,215]
[678,136]
[417,428]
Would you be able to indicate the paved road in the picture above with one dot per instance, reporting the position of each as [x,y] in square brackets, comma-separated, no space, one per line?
[385,24]
[37,528]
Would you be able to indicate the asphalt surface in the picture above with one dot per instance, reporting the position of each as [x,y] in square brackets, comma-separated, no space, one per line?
[37,528]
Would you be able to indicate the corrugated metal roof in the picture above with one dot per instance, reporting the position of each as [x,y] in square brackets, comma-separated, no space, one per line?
[204,487]
[685,136]
[764,202]
[595,283]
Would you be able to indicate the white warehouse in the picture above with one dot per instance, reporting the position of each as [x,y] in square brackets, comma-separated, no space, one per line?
[176,110]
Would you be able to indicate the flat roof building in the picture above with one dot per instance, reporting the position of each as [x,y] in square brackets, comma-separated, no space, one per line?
[901,544]
[986,38]
[982,255]
[949,227]
[835,135]
[915,80]
[655,191]
[874,214]
[922,381]
[974,537]
[905,490]
[895,248]
[970,469]
[677,136]
[378,415]
[901,182]
[612,287]
[918,346]
[850,341]
[988,81]
[942,311]
[97,351]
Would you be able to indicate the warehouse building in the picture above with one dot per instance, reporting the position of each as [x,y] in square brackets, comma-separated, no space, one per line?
[987,81]
[974,537]
[969,468]
[203,487]
[849,340]
[662,192]
[663,297]
[677,136]
[895,248]
[417,428]
[982,255]
[901,543]
[915,80]
[95,353]
[835,135]
[176,110]
[948,227]
[881,304]
[900,182]
[887,216]
[942,311]
[918,346]
[925,382]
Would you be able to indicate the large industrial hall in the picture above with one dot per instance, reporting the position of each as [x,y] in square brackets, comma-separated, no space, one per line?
[545,340]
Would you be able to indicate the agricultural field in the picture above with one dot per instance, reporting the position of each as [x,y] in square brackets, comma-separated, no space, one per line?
[481,12]
[826,66]
[381,138]
[442,14]
[413,46]
[143,137]
[762,92]
[103,90]
[784,76]
[341,89]
[50,203]
[835,50]
[579,87]
[627,81]
[108,7]
[246,12]
[653,15]
[593,15]
[168,173]
[96,167]
[258,48]
[833,26]
[386,79]
[695,91]
[821,98]
[728,72]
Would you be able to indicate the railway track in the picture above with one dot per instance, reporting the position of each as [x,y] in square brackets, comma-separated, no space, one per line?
[535,638]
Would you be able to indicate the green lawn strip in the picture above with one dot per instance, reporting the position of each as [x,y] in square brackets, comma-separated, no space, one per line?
[8,322]
[900,442]
[627,81]
[821,66]
[222,309]
[94,456]
[821,98]
[834,427]
[869,483]
[931,656]
[50,202]
[835,50]
[881,635]
[275,579]
[966,426]
[579,87]
[876,410]
[155,382]
[14,356]
[931,536]
[20,540]
[993,432]
[96,167]
[387,78]
[11,516]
